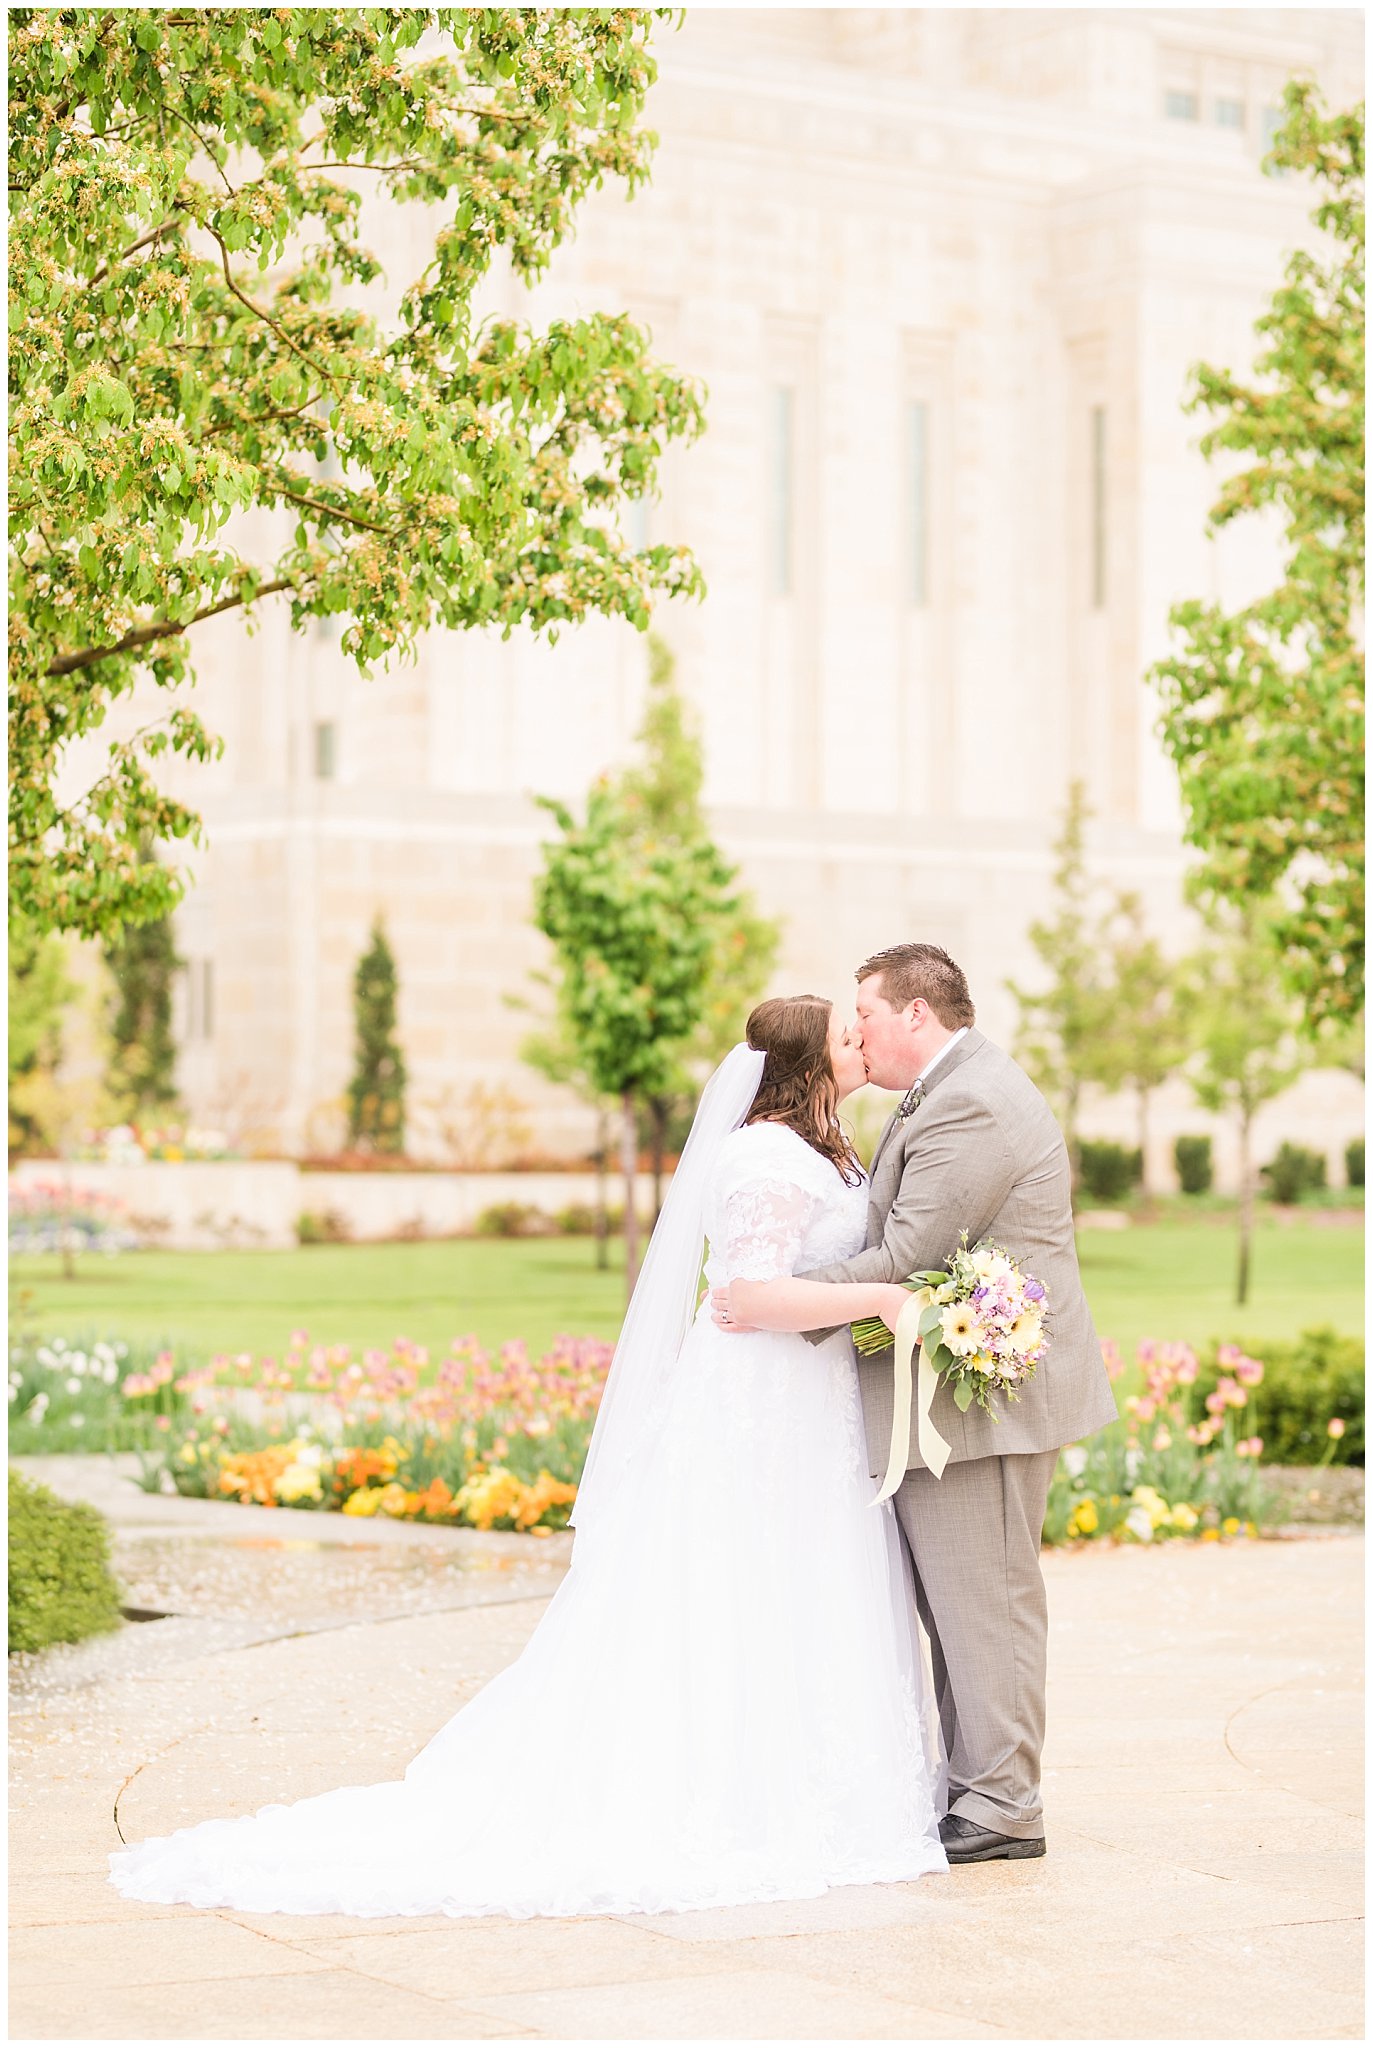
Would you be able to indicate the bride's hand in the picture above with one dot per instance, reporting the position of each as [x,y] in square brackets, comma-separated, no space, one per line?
[895,1299]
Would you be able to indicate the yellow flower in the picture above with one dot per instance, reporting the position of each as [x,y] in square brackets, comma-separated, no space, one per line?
[959,1326]
[1250,1530]
[391,1499]
[1084,1520]
[1184,1517]
[364,1500]
[299,1482]
[1210,1535]
[1230,1526]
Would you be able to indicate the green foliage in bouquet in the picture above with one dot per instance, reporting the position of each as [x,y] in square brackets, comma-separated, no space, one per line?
[978,1344]
[61,1586]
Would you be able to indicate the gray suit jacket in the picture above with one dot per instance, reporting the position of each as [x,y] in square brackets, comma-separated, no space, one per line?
[982,1153]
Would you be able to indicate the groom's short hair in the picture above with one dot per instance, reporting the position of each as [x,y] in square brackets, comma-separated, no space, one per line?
[927,973]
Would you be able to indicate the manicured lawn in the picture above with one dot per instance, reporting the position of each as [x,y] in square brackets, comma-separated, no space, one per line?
[1166,1280]
[342,1294]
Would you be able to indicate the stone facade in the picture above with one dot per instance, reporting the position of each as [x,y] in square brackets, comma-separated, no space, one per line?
[943,273]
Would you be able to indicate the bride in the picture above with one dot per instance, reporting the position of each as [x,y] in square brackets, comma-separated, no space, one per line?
[724,1700]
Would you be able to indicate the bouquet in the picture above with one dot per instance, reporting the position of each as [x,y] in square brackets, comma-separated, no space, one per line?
[982,1326]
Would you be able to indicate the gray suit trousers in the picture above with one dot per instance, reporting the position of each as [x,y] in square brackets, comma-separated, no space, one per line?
[974,1540]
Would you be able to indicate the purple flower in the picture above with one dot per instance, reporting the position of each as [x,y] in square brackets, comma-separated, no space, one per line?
[1033,1291]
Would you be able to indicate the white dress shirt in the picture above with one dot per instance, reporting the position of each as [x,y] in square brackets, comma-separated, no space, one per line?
[947,1046]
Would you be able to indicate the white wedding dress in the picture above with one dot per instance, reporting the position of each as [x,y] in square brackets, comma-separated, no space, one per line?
[724,1701]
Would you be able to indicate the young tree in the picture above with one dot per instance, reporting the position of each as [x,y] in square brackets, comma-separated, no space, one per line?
[143,961]
[1145,1036]
[376,1093]
[629,917]
[1060,1036]
[185,192]
[664,792]
[552,1052]
[1248,1044]
[39,990]
[1263,707]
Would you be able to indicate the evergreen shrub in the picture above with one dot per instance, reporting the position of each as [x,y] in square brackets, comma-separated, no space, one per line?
[1192,1158]
[1291,1171]
[61,1586]
[1109,1171]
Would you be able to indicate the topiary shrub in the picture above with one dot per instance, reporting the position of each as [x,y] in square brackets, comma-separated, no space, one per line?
[1353,1163]
[61,1586]
[1109,1171]
[1192,1158]
[1304,1385]
[1291,1171]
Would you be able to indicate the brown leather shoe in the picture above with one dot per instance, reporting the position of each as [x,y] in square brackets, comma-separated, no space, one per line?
[967,1842]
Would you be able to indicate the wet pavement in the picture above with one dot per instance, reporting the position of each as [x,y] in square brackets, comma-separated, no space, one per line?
[1202,1786]
[205,1576]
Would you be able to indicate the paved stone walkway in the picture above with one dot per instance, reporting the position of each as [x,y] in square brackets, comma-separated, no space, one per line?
[1203,1788]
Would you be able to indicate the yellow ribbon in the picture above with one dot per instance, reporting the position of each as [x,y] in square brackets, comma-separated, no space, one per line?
[933,1448]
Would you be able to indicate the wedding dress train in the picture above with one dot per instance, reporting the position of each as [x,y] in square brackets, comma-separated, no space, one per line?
[724,1701]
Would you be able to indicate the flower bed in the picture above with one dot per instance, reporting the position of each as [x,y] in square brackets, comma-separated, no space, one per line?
[51,1216]
[497,1441]
[494,1443]
[1174,1466]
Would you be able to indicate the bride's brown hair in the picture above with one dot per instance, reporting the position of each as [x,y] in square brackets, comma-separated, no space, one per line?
[798,1088]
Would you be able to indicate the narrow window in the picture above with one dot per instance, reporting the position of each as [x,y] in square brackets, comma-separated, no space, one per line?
[782,466]
[207,999]
[1273,119]
[1098,462]
[325,751]
[1229,113]
[918,502]
[1180,106]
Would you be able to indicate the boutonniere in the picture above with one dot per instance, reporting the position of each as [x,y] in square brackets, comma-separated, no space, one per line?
[911,1101]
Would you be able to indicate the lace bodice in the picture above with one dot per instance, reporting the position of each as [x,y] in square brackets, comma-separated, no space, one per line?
[775,1207]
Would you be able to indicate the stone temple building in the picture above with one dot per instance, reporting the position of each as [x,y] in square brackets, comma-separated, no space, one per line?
[943,273]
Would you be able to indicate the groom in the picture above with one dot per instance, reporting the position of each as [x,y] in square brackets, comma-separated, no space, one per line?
[974,1146]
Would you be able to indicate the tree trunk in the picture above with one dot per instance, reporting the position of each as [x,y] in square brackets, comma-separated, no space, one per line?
[659,1108]
[602,1191]
[68,1234]
[1246,1211]
[629,1153]
[1144,1143]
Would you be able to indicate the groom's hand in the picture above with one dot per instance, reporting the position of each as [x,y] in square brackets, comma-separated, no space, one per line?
[721,1317]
